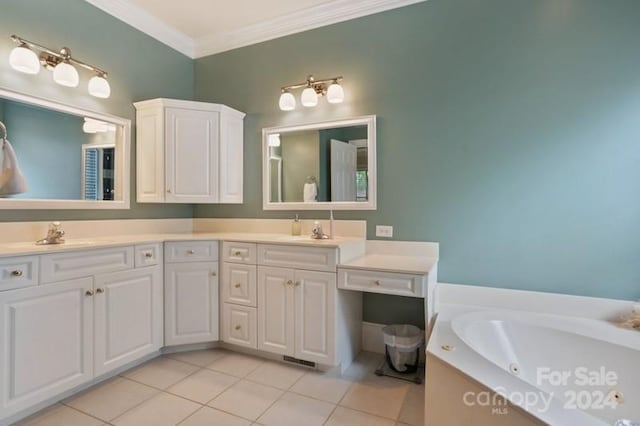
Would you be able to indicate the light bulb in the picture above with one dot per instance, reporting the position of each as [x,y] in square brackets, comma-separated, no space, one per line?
[287,101]
[99,87]
[66,74]
[309,97]
[24,60]
[335,93]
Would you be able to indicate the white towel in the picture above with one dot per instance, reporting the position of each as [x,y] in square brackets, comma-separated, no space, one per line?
[310,193]
[12,180]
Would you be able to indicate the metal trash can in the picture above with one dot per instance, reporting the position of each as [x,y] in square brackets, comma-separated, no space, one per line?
[402,347]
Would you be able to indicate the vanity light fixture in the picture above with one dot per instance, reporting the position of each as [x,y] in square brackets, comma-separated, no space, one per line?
[25,59]
[312,89]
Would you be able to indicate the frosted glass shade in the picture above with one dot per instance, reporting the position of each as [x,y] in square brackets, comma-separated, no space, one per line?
[287,101]
[335,94]
[309,97]
[274,140]
[24,60]
[66,74]
[99,87]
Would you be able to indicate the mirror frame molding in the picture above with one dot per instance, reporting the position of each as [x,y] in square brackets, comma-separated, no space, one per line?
[370,204]
[123,156]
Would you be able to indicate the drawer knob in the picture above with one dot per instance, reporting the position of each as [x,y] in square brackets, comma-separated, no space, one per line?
[88,293]
[237,285]
[377,282]
[297,283]
[168,191]
[213,274]
[190,251]
[289,282]
[148,255]
[237,327]
[16,273]
[237,253]
[100,290]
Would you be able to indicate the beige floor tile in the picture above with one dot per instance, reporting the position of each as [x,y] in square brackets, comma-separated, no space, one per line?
[207,416]
[58,415]
[246,399]
[347,417]
[161,410]
[381,396]
[108,400]
[364,365]
[321,386]
[238,365]
[412,411]
[161,372]
[199,358]
[296,410]
[203,386]
[276,374]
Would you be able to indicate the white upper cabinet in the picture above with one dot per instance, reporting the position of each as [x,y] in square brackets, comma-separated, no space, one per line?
[188,152]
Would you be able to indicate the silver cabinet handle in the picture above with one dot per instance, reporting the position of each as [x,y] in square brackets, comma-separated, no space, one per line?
[16,273]
[289,282]
[100,290]
[168,191]
[237,285]
[377,282]
[297,283]
[88,293]
[191,251]
[237,253]
[237,327]
[148,255]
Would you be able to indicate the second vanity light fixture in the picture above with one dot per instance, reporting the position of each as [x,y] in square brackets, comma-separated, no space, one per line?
[24,59]
[312,89]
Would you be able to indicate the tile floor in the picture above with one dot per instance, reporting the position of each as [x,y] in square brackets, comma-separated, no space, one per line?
[218,387]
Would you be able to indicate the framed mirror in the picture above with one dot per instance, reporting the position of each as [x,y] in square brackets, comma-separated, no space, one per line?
[320,166]
[70,158]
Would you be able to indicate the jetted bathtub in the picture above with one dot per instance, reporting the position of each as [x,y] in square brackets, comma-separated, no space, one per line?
[561,370]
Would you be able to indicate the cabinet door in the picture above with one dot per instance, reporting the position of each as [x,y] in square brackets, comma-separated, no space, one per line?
[231,158]
[239,325]
[315,296]
[150,180]
[192,156]
[239,284]
[46,342]
[275,310]
[191,303]
[128,316]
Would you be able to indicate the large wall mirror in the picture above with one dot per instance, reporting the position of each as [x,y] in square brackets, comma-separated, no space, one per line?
[320,166]
[70,158]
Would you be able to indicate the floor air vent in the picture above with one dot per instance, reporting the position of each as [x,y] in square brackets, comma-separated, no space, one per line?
[299,361]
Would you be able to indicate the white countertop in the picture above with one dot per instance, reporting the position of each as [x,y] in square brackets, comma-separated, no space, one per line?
[420,265]
[30,248]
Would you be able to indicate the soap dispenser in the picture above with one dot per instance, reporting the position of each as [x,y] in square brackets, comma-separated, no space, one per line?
[296,227]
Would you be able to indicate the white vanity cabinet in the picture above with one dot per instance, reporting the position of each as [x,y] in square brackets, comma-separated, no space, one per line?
[88,313]
[191,292]
[188,152]
[301,313]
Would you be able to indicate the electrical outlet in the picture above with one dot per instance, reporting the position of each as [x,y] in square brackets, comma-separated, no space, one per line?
[384,231]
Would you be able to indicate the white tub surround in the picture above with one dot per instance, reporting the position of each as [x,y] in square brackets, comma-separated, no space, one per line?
[399,268]
[557,359]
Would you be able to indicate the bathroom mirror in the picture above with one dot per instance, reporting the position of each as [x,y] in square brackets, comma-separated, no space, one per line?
[70,158]
[320,166]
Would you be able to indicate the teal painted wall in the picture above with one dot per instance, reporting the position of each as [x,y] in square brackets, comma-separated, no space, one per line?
[139,67]
[508,131]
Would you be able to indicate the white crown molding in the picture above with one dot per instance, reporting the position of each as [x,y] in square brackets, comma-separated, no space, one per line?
[295,22]
[314,17]
[142,20]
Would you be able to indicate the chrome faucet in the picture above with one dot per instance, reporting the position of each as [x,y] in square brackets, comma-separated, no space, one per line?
[54,235]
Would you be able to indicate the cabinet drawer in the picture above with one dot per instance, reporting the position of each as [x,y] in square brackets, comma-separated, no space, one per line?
[147,255]
[77,264]
[382,282]
[318,259]
[191,251]
[240,325]
[17,272]
[239,252]
[239,284]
